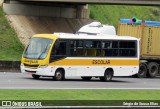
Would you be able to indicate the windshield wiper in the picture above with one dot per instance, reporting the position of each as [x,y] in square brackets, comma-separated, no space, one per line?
[39,57]
[26,52]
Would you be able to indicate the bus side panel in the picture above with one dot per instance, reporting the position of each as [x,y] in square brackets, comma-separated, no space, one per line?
[47,71]
[125,70]
[87,67]
[91,71]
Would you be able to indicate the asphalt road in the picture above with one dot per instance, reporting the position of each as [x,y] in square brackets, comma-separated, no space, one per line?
[25,81]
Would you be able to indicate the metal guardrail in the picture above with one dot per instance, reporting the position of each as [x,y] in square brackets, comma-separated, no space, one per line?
[10,66]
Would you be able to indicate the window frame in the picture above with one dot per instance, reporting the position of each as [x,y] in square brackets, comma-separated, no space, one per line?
[68,47]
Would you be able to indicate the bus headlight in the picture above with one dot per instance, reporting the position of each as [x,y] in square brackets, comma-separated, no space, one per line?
[22,65]
[43,66]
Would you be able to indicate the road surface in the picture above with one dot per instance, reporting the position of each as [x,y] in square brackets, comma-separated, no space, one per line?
[25,81]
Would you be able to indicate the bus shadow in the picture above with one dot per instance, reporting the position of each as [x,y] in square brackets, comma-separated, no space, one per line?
[78,80]
[93,80]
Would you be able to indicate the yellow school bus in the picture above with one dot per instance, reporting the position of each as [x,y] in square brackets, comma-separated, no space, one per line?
[62,55]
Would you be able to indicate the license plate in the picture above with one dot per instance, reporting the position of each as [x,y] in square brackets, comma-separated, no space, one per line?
[30,73]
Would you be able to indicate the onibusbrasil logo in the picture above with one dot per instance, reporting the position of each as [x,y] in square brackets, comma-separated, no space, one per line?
[134,20]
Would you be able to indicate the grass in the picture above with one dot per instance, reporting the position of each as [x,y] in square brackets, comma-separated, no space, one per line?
[10,46]
[79,94]
[89,97]
[79,97]
[110,14]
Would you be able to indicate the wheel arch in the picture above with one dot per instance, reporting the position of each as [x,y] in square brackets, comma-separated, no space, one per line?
[60,68]
[110,69]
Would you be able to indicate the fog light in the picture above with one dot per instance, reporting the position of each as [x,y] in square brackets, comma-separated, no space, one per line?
[43,66]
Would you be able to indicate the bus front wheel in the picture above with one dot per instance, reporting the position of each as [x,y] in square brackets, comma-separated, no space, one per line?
[36,76]
[107,76]
[59,75]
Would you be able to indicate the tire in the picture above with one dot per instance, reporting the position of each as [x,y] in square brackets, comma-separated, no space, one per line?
[36,76]
[59,75]
[101,78]
[107,76]
[86,78]
[153,68]
[142,70]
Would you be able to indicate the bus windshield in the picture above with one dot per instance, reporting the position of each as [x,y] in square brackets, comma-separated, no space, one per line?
[38,48]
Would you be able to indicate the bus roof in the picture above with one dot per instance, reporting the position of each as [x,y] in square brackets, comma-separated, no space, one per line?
[84,36]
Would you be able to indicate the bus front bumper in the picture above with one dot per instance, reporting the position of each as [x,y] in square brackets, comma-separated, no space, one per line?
[41,71]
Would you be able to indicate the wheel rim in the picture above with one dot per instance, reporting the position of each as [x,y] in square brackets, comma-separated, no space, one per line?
[153,69]
[108,76]
[142,71]
[58,75]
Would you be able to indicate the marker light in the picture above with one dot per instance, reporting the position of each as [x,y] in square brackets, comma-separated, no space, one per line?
[134,20]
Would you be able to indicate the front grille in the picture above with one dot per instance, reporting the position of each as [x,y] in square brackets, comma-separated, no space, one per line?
[27,65]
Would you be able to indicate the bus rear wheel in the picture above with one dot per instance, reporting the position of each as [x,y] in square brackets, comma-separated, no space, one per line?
[107,76]
[142,70]
[153,69]
[59,75]
[86,78]
[36,76]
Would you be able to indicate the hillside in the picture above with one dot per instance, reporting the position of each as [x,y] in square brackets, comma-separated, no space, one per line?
[110,14]
[10,46]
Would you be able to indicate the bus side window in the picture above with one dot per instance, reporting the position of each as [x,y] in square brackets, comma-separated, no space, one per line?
[76,48]
[99,52]
[110,48]
[93,48]
[61,49]
[58,50]
[127,48]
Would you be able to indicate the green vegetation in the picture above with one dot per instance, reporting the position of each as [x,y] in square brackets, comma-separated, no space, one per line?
[79,94]
[110,14]
[10,46]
